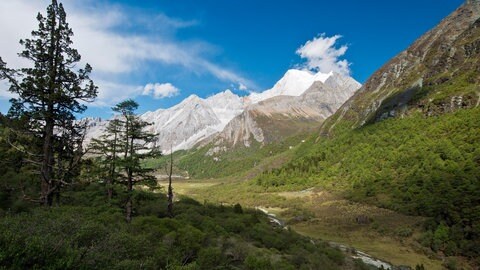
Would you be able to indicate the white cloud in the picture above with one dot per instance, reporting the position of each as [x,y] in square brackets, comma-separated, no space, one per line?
[113,53]
[322,55]
[112,93]
[162,19]
[242,87]
[159,91]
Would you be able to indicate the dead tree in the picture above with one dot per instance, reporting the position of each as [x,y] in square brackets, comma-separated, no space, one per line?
[170,188]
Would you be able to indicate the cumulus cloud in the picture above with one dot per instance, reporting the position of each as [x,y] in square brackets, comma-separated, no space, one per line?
[102,41]
[158,91]
[322,54]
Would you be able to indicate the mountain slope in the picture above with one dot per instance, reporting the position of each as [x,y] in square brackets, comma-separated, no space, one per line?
[193,118]
[436,74]
[282,116]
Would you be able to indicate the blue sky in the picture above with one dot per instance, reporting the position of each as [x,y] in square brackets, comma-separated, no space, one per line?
[159,52]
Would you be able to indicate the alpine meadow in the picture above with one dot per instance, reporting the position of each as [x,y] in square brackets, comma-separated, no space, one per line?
[149,135]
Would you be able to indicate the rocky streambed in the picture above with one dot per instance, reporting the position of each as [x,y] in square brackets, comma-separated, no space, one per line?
[349,251]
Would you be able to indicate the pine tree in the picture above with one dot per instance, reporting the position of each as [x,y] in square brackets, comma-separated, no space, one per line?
[107,148]
[123,147]
[169,171]
[50,93]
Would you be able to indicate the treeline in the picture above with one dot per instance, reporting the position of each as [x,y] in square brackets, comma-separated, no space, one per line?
[235,161]
[417,165]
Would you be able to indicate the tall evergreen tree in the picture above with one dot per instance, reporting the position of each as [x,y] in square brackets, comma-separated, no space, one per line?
[122,148]
[107,147]
[51,92]
[138,145]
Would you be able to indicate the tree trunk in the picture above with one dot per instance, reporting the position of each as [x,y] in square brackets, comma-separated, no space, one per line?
[170,189]
[129,204]
[112,168]
[47,164]
[109,189]
[129,207]
[48,158]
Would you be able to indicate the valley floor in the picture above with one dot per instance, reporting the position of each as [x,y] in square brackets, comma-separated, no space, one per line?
[384,234]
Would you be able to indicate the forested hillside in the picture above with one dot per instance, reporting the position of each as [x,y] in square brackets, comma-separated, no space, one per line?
[409,139]
[417,165]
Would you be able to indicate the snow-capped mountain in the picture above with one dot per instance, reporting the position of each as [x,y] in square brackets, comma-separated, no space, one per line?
[195,119]
[294,83]
[226,106]
[183,124]
[282,116]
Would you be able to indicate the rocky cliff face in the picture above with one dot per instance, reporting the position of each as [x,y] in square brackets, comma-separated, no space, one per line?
[440,72]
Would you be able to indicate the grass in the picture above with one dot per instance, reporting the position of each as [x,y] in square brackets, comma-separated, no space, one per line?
[323,215]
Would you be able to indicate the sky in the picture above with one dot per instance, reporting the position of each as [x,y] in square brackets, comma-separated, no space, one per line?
[159,52]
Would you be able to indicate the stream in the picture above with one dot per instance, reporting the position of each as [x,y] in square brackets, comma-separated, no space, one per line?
[366,258]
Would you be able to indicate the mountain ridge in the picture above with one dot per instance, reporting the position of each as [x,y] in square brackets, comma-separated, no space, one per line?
[430,64]
[197,119]
[283,116]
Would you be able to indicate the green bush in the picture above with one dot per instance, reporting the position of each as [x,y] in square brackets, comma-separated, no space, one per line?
[95,235]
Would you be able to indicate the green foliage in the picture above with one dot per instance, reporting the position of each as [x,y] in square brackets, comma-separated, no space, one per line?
[404,232]
[237,208]
[121,150]
[16,175]
[416,165]
[86,233]
[49,93]
[419,267]
[254,263]
[450,264]
[234,162]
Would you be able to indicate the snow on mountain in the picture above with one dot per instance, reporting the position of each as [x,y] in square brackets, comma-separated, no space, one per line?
[176,126]
[281,116]
[195,119]
[226,106]
[95,128]
[294,83]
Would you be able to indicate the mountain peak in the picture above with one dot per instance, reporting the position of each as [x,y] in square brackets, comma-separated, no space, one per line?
[428,76]
[227,92]
[293,83]
[293,71]
[192,98]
